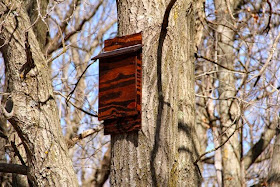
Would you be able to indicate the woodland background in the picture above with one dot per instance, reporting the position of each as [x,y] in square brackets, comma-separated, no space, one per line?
[237,80]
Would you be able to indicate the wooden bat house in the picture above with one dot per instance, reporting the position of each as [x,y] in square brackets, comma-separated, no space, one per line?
[120,84]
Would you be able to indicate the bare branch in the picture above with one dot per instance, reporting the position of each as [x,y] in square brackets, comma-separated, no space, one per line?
[216,148]
[76,84]
[83,135]
[259,146]
[13,168]
[77,107]
[213,61]
[258,76]
[53,45]
[101,175]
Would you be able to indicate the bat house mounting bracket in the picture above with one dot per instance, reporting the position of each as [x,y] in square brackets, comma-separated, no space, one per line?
[120,84]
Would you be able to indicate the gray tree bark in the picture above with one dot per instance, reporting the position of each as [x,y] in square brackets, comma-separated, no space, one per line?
[274,171]
[31,108]
[163,152]
[201,112]
[36,11]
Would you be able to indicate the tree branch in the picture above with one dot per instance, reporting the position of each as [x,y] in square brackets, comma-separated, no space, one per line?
[17,153]
[77,107]
[215,149]
[259,146]
[53,45]
[13,168]
[213,61]
[272,50]
[101,175]
[73,141]
[76,84]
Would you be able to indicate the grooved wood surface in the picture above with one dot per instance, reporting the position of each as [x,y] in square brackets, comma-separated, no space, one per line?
[117,88]
[124,41]
[120,86]
[122,125]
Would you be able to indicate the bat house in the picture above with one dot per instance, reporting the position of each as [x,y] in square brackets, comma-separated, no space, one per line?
[120,84]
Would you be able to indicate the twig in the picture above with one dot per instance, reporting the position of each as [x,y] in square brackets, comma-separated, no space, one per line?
[54,46]
[229,10]
[215,149]
[71,93]
[267,28]
[77,107]
[205,58]
[258,76]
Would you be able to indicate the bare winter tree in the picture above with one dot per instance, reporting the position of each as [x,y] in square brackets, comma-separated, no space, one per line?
[44,41]
[235,76]
[30,106]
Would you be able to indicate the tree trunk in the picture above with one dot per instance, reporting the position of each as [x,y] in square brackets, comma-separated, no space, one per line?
[31,108]
[274,172]
[39,25]
[163,152]
[227,107]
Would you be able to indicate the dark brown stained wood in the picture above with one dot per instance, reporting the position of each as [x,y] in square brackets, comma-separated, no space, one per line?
[120,92]
[120,42]
[139,81]
[112,63]
[122,125]
[117,89]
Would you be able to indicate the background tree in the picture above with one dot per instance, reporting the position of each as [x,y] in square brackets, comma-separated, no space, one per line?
[68,32]
[252,56]
[30,106]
